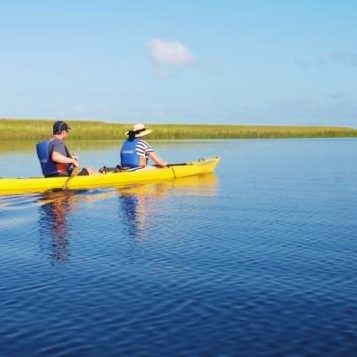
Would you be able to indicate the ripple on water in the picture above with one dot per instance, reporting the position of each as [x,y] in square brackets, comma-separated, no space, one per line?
[259,262]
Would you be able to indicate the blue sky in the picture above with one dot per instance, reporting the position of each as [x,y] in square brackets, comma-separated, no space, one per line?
[187,61]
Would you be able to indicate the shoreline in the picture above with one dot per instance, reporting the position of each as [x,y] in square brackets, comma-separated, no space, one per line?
[32,129]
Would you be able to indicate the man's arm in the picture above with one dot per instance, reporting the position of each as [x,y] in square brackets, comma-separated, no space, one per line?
[61,159]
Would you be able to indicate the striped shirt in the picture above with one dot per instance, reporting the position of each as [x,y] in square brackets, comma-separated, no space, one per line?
[143,148]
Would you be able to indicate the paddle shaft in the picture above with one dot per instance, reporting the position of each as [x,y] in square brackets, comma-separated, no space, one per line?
[74,173]
[179,164]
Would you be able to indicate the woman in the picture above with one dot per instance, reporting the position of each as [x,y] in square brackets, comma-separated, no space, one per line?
[135,152]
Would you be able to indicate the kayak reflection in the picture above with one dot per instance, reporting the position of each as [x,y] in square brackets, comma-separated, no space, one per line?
[141,203]
[55,229]
[204,185]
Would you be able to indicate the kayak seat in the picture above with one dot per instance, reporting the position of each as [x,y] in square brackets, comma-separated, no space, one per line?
[105,169]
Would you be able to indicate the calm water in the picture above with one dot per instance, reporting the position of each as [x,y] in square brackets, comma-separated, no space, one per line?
[259,259]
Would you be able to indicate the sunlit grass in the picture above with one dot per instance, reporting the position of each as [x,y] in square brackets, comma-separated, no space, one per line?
[11,129]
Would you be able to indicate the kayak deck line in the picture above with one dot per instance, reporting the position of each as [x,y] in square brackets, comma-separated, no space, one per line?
[14,186]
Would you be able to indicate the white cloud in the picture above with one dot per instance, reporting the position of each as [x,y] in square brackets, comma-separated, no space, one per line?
[312,63]
[170,52]
[345,58]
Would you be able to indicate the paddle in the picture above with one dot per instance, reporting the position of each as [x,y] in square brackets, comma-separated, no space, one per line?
[74,173]
[179,164]
[184,163]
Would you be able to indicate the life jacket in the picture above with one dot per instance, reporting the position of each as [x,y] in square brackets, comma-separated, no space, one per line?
[128,155]
[49,168]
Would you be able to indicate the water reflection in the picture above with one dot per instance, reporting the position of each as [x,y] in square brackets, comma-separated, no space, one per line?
[136,203]
[54,210]
[202,185]
[139,203]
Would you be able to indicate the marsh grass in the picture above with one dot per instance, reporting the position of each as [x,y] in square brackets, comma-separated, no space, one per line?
[17,129]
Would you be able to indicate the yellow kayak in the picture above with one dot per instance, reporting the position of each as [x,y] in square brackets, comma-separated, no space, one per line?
[13,186]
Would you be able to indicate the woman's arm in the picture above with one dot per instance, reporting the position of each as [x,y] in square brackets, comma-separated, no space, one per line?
[157,160]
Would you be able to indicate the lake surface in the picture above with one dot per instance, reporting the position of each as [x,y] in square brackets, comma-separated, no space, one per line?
[259,259]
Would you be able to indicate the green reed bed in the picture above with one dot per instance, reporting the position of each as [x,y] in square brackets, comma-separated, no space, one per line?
[16,129]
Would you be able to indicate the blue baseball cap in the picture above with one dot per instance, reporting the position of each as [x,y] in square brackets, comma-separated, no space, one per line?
[59,126]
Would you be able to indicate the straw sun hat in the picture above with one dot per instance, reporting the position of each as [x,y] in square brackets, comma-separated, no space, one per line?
[139,130]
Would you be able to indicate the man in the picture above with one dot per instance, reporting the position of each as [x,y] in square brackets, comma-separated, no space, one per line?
[135,152]
[55,158]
